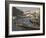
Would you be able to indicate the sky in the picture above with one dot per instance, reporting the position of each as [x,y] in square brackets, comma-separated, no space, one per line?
[27,8]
